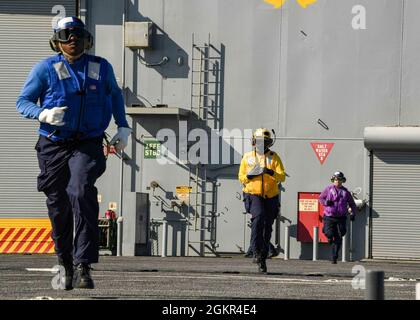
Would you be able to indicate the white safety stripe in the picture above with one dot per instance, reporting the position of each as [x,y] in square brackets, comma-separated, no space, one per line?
[93,70]
[61,70]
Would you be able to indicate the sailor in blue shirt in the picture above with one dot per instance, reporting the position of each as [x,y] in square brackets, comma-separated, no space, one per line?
[74,96]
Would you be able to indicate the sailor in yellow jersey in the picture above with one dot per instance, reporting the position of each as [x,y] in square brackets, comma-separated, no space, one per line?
[260,172]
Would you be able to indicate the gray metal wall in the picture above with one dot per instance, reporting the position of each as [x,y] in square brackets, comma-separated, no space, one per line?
[284,69]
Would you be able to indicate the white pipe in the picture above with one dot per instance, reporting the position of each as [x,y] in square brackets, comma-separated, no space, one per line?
[164,237]
[344,249]
[406,138]
[119,236]
[315,245]
[286,242]
[119,225]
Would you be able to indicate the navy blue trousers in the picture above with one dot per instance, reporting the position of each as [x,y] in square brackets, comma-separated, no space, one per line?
[263,211]
[68,175]
[335,229]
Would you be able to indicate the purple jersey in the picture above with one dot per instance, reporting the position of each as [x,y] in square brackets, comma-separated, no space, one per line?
[340,198]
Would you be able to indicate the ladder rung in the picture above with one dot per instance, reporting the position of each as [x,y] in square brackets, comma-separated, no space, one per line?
[203,242]
[198,178]
[201,108]
[203,59]
[200,205]
[207,70]
[205,203]
[210,82]
[200,230]
[202,193]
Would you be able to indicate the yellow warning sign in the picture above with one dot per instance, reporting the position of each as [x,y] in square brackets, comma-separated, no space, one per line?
[112,206]
[183,193]
[308,205]
[183,189]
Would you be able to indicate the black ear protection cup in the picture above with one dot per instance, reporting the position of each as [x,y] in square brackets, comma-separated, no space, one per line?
[88,41]
[53,45]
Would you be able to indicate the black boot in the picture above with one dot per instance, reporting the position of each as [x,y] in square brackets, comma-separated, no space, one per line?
[272,251]
[335,250]
[82,278]
[68,276]
[262,266]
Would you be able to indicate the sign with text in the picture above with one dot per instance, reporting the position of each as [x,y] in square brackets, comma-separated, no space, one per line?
[308,205]
[310,214]
[183,193]
[152,149]
[322,150]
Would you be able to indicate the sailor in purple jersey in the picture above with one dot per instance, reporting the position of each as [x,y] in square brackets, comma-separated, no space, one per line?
[336,200]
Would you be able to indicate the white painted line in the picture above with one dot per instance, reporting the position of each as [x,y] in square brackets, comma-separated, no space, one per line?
[240,277]
[42,269]
[234,277]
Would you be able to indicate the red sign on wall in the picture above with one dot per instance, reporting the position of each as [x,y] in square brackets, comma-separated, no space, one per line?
[310,213]
[322,150]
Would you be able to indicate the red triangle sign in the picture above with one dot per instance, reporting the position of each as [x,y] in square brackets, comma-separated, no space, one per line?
[322,150]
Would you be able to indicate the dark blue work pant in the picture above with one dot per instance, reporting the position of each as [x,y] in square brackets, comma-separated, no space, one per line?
[68,174]
[335,229]
[263,211]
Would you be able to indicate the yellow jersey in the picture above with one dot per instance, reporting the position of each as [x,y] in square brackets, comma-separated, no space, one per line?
[263,185]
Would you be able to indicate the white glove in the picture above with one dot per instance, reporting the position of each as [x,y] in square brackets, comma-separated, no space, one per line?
[120,140]
[53,116]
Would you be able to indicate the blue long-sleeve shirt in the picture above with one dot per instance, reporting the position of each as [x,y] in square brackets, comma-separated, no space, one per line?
[37,86]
